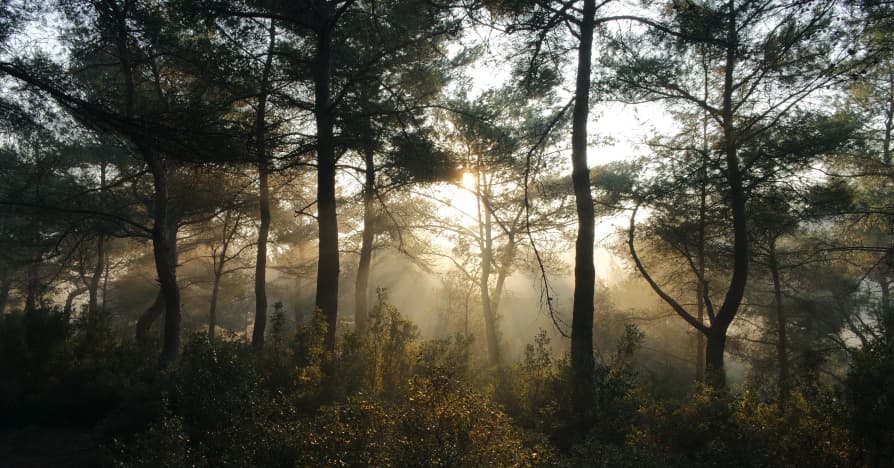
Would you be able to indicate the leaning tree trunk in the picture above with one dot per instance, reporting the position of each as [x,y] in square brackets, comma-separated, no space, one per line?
[69,300]
[582,361]
[361,313]
[328,267]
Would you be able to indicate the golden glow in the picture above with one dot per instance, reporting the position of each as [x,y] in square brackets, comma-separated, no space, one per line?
[468,180]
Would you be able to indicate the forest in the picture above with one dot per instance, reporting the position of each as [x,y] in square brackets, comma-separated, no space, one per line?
[614,233]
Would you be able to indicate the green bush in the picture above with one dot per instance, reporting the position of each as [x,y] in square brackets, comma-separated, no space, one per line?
[437,425]
[870,391]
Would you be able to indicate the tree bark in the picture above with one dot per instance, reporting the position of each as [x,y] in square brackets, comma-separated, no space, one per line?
[361,314]
[257,336]
[582,362]
[328,266]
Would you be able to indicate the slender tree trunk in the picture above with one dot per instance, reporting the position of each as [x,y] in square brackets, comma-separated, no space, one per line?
[361,316]
[257,336]
[148,317]
[93,285]
[781,323]
[299,290]
[490,319]
[701,286]
[105,286]
[700,337]
[212,308]
[486,245]
[164,243]
[582,362]
[328,267]
[32,288]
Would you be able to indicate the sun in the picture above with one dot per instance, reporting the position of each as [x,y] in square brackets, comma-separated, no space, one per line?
[468,180]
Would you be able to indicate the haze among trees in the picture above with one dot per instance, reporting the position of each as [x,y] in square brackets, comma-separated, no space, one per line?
[478,233]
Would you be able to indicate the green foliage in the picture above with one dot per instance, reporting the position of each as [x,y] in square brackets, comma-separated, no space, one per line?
[218,409]
[712,427]
[388,363]
[51,376]
[870,386]
[379,363]
[538,398]
[437,425]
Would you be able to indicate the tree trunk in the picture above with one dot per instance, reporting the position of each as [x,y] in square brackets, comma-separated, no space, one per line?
[328,267]
[736,291]
[257,336]
[781,342]
[164,243]
[105,286]
[361,314]
[93,285]
[714,370]
[212,308]
[701,286]
[490,319]
[32,288]
[700,337]
[582,361]
[148,317]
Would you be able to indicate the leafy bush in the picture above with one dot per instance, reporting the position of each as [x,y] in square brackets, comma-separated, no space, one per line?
[437,425]
[713,428]
[870,387]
